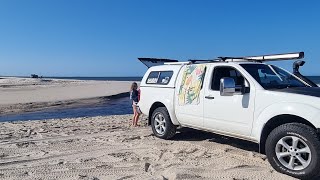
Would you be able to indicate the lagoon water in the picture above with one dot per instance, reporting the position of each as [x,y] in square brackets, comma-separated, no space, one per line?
[119,106]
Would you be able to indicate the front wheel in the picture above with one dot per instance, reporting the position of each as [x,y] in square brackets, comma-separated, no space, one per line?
[294,149]
[161,124]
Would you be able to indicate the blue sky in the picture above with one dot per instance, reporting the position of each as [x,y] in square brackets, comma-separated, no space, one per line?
[104,38]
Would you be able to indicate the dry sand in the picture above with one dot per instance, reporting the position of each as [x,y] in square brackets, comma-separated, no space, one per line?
[27,90]
[106,148]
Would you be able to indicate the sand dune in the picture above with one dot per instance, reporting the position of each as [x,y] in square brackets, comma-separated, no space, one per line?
[106,148]
[27,90]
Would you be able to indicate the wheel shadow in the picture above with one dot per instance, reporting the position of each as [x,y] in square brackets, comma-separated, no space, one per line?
[188,134]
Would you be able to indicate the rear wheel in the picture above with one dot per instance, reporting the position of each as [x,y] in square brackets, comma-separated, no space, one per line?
[161,124]
[294,149]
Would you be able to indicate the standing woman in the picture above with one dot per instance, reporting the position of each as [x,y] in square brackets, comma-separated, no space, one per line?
[134,96]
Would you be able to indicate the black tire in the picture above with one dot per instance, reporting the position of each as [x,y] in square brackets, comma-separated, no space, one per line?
[169,130]
[306,136]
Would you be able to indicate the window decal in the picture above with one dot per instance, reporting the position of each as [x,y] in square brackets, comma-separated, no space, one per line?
[152,80]
[191,84]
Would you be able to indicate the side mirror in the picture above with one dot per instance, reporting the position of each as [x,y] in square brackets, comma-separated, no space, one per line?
[227,86]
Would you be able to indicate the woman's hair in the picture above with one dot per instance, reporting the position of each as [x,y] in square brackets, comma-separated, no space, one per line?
[134,85]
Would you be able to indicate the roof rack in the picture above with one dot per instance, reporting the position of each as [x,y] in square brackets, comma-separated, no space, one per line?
[271,57]
[149,62]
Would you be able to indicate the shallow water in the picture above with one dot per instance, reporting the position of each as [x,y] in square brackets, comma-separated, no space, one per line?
[112,107]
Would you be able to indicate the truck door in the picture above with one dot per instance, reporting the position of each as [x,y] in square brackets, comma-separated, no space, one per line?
[189,95]
[233,114]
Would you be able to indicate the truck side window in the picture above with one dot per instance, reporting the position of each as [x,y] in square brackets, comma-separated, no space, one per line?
[221,72]
[159,77]
[165,77]
[153,77]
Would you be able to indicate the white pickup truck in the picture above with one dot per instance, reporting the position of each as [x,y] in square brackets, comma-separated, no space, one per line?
[240,97]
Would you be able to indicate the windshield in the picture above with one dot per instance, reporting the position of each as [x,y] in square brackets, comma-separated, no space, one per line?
[272,77]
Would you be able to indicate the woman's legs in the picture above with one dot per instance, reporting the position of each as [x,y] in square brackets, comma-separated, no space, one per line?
[136,118]
[134,115]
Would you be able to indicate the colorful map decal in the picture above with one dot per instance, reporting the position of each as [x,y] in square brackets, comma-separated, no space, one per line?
[191,84]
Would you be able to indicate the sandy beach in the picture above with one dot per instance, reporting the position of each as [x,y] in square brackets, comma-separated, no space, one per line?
[105,147]
[247,70]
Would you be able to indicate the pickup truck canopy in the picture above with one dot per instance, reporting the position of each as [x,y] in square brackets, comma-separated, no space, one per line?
[149,62]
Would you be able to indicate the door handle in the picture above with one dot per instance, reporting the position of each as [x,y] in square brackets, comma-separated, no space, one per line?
[209,97]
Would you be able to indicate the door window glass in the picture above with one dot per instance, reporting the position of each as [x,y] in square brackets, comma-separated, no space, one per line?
[221,72]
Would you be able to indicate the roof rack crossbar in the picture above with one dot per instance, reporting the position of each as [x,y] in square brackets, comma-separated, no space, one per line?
[193,61]
[225,59]
[177,63]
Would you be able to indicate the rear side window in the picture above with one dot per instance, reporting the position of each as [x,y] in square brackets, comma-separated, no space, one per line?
[159,77]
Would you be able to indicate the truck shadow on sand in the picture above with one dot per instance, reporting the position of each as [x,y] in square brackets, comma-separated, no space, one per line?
[188,134]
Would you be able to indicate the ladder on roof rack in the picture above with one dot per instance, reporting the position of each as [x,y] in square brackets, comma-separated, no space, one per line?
[271,57]
[149,62]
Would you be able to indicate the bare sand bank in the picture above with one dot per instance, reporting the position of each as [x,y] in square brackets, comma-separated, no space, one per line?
[106,148]
[26,94]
